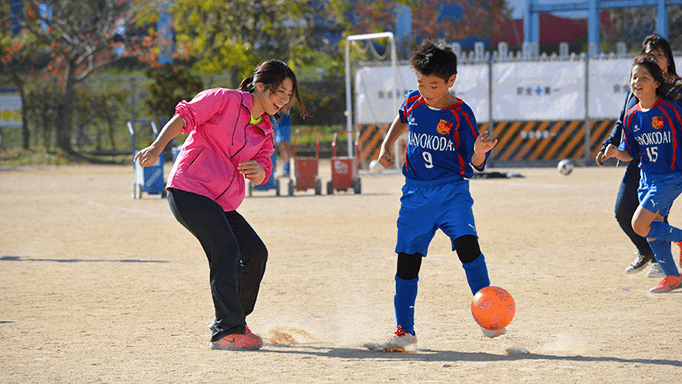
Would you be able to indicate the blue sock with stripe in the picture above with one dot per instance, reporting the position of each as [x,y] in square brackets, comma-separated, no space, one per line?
[662,231]
[403,302]
[664,256]
[477,274]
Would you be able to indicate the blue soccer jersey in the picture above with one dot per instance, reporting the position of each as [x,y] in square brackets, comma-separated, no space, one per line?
[440,142]
[653,136]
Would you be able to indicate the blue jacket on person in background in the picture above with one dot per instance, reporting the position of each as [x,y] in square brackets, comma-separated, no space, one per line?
[617,132]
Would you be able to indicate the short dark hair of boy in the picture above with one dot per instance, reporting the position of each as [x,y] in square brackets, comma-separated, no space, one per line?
[437,59]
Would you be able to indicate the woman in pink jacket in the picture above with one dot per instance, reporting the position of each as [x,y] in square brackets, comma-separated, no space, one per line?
[230,138]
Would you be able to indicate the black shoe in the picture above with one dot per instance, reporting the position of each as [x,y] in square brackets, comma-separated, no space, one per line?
[638,264]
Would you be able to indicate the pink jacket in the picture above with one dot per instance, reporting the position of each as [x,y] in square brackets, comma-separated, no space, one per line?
[220,137]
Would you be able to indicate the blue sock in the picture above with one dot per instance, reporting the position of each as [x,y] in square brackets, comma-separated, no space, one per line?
[662,231]
[403,301]
[664,256]
[285,167]
[477,274]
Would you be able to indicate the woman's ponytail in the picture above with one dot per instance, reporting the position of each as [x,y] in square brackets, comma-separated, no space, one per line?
[247,84]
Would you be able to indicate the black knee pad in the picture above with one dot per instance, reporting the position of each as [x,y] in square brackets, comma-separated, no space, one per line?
[409,265]
[467,248]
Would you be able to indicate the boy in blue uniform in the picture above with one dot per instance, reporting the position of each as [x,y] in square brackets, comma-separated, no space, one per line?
[443,144]
[652,132]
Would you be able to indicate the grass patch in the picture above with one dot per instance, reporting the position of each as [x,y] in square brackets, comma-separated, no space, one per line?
[13,154]
[40,157]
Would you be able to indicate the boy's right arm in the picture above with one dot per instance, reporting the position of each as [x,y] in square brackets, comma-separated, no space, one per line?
[396,130]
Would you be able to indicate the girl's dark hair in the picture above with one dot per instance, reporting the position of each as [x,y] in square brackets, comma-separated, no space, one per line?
[649,62]
[656,42]
[437,59]
[272,73]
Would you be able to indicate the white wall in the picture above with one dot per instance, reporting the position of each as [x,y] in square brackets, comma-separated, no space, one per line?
[522,91]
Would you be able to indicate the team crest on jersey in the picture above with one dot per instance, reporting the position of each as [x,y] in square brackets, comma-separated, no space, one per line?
[444,127]
[657,122]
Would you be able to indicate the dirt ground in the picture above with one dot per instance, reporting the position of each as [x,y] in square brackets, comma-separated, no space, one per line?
[97,287]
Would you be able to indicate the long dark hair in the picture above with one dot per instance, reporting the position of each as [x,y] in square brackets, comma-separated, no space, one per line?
[655,42]
[649,62]
[272,73]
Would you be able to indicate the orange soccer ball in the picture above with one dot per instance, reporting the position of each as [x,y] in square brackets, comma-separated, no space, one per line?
[493,308]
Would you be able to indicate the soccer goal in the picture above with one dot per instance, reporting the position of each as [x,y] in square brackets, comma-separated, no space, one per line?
[351,41]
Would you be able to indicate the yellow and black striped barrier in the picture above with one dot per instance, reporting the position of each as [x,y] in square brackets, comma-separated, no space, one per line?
[518,140]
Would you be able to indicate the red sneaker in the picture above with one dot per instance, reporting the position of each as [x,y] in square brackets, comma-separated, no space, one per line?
[679,244]
[249,333]
[237,342]
[669,283]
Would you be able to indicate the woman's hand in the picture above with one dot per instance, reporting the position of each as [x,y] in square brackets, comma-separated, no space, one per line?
[252,171]
[147,156]
[611,151]
[601,157]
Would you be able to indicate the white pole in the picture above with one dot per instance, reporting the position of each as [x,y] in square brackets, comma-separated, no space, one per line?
[491,122]
[394,91]
[349,106]
[588,128]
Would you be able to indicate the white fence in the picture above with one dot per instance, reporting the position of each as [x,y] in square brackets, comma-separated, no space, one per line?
[547,89]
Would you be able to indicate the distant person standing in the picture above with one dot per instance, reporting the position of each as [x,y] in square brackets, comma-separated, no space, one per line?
[283,139]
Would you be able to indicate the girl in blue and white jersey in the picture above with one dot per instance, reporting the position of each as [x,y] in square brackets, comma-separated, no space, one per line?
[652,131]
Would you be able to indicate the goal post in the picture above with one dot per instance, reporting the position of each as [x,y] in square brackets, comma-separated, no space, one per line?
[349,98]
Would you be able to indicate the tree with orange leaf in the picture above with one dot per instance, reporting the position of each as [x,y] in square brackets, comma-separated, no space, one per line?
[452,20]
[20,57]
[79,37]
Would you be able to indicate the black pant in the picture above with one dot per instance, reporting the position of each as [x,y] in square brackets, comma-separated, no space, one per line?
[236,257]
[627,202]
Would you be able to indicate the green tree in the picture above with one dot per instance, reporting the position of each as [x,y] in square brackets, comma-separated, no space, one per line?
[40,109]
[108,104]
[236,35]
[169,85]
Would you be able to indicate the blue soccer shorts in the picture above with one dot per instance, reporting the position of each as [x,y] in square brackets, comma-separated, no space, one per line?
[426,206]
[657,191]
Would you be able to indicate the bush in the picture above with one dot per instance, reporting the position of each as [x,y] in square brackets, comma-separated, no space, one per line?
[325,103]
[169,85]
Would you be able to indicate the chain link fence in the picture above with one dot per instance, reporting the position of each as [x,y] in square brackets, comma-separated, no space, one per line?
[104,104]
